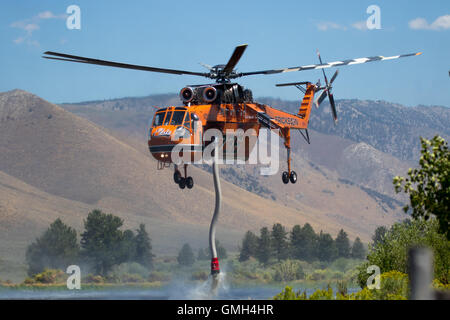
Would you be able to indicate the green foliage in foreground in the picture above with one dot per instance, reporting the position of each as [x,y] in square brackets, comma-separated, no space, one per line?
[392,252]
[429,186]
[394,286]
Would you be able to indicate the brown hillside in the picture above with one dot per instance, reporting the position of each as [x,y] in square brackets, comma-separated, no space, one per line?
[67,165]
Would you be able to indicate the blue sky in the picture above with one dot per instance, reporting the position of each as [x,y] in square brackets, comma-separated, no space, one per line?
[180,34]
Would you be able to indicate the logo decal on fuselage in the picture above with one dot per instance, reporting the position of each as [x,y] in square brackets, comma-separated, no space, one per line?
[162,132]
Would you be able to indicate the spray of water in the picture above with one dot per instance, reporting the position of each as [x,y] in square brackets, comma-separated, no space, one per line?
[201,291]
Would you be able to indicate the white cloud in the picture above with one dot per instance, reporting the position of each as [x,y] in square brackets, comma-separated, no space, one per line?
[360,25]
[31,25]
[441,23]
[328,25]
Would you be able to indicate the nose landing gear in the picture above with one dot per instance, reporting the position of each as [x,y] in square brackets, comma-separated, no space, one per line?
[183,182]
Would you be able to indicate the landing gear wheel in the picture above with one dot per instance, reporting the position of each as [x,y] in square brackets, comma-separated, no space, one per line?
[177,177]
[189,182]
[285,177]
[182,183]
[293,177]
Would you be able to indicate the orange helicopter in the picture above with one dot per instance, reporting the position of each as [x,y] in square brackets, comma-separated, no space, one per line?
[227,106]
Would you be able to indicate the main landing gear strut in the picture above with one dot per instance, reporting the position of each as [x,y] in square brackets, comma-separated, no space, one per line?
[183,182]
[289,175]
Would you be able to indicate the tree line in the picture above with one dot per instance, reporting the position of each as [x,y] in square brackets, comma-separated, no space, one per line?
[301,243]
[102,245]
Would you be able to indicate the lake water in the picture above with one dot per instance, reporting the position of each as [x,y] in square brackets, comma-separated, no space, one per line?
[176,290]
[173,291]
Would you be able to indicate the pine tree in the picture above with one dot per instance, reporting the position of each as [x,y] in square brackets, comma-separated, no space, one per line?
[279,241]
[379,234]
[342,244]
[264,251]
[102,241]
[358,251]
[304,243]
[186,256]
[57,248]
[144,254]
[249,246]
[327,247]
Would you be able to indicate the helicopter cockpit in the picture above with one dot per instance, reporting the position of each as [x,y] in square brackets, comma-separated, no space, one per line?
[177,116]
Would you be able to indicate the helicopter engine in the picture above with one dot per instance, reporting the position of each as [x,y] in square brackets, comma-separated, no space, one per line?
[187,94]
[215,94]
[209,94]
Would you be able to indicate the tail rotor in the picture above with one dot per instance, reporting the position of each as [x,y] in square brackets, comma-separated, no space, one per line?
[327,91]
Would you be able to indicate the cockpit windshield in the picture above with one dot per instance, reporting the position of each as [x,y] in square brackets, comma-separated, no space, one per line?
[177,118]
[159,117]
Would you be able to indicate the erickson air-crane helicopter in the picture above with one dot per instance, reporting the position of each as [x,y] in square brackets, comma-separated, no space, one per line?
[226,105]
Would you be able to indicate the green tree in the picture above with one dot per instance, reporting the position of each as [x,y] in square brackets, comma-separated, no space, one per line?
[57,248]
[186,256]
[143,243]
[280,244]
[249,246]
[342,244]
[379,235]
[264,251]
[326,247]
[304,242]
[392,253]
[429,186]
[358,251]
[102,241]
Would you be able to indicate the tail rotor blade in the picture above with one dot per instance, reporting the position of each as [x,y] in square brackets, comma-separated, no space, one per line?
[333,107]
[334,76]
[321,98]
[323,71]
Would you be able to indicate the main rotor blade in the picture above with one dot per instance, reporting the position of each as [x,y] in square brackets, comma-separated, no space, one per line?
[72,58]
[323,71]
[330,64]
[235,57]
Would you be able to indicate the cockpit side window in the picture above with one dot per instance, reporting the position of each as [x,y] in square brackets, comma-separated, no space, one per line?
[159,117]
[167,119]
[177,118]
